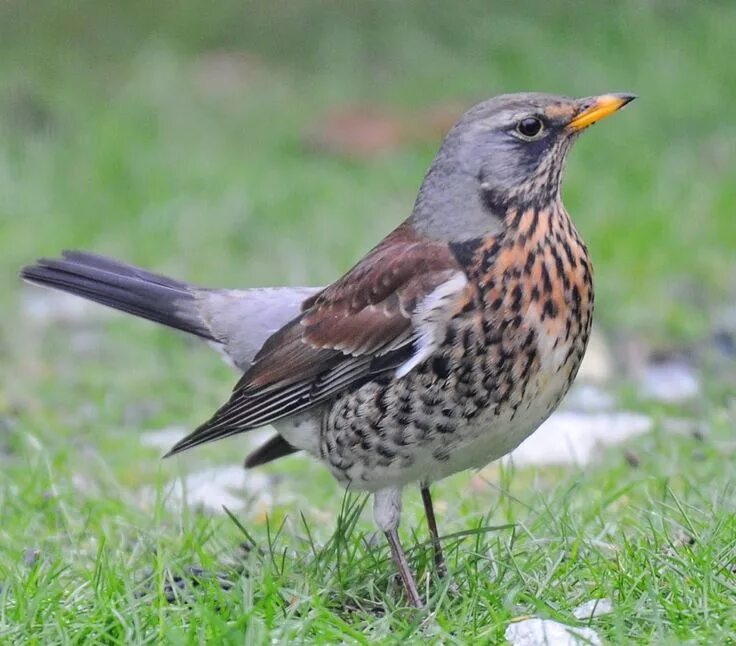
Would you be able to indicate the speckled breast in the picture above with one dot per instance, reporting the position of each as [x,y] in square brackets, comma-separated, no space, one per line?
[506,362]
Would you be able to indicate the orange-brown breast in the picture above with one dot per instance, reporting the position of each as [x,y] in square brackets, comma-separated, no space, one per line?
[534,288]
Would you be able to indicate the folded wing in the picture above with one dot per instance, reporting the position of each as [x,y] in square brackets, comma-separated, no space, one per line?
[385,314]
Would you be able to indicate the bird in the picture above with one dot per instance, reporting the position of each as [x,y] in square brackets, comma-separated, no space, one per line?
[440,350]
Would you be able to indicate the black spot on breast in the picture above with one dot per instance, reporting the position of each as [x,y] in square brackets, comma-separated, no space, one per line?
[570,256]
[528,365]
[517,218]
[483,401]
[430,398]
[546,281]
[451,335]
[535,222]
[445,428]
[550,309]
[487,327]
[529,339]
[516,296]
[565,281]
[558,262]
[381,403]
[586,271]
[441,367]
[357,430]
[576,298]
[468,340]
[385,451]
[529,264]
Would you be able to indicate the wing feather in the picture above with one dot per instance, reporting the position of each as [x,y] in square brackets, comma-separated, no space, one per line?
[388,313]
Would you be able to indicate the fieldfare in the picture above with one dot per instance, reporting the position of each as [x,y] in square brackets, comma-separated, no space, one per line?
[448,344]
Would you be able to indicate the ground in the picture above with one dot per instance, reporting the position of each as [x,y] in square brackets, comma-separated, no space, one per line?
[200,142]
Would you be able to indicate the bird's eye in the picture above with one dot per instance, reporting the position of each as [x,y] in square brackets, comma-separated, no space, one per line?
[529,127]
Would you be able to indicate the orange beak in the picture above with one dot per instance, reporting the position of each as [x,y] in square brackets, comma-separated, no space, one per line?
[596,108]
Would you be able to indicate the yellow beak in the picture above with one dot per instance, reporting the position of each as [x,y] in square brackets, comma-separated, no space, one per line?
[596,108]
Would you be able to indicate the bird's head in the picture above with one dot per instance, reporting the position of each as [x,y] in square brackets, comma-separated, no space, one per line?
[507,152]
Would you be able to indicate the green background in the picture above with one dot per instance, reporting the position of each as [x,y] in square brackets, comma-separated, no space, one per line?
[176,135]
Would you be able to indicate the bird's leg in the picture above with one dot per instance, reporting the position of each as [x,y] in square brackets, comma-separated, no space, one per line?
[387,513]
[407,577]
[439,557]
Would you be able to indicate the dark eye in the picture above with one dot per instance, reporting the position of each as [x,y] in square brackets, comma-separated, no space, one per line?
[529,127]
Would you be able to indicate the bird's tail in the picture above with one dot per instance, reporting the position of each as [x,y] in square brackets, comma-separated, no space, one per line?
[123,287]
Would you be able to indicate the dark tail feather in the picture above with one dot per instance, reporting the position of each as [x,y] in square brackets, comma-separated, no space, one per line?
[277,447]
[121,286]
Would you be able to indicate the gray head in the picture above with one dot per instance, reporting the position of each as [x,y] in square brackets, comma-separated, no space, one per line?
[505,153]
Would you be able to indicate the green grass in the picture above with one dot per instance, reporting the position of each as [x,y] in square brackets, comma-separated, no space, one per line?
[112,140]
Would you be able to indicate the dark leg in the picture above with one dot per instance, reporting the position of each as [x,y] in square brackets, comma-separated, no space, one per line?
[439,558]
[407,577]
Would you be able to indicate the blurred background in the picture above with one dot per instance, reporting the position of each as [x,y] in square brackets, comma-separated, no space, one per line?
[274,142]
[266,143]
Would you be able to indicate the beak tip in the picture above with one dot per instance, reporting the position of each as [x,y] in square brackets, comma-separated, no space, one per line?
[593,109]
[626,97]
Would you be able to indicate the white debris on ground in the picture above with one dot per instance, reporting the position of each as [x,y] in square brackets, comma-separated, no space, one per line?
[574,437]
[593,608]
[597,365]
[693,428]
[163,439]
[588,398]
[670,381]
[211,489]
[545,632]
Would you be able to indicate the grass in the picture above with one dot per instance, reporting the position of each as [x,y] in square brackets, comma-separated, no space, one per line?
[123,131]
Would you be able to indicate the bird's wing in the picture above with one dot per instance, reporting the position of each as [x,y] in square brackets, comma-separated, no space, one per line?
[387,313]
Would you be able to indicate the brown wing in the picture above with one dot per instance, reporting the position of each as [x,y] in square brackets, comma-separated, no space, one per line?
[359,326]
